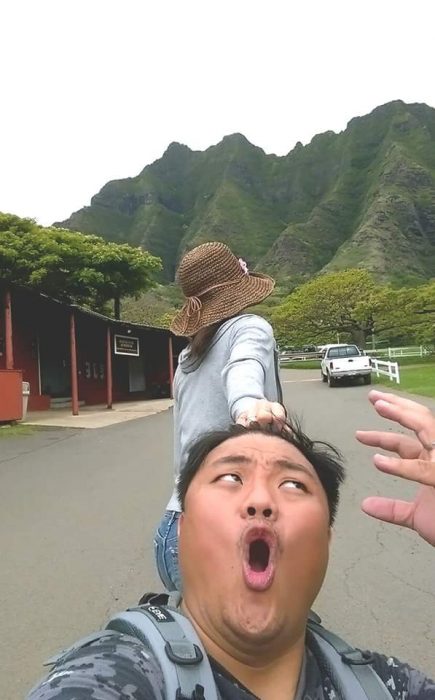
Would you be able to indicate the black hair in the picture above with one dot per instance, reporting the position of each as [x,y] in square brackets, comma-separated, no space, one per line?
[200,342]
[326,459]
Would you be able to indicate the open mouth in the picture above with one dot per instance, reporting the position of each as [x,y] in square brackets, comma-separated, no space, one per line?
[259,553]
[258,560]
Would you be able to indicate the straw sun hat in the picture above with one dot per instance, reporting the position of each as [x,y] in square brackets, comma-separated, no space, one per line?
[216,285]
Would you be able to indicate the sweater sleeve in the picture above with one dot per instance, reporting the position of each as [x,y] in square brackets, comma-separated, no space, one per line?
[402,680]
[251,353]
[107,669]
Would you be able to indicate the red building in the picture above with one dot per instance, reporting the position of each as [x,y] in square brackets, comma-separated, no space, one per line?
[68,353]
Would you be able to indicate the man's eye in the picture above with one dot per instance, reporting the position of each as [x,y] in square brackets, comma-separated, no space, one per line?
[233,478]
[293,484]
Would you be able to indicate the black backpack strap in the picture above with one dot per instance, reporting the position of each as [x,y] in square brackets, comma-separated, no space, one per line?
[350,669]
[161,599]
[280,398]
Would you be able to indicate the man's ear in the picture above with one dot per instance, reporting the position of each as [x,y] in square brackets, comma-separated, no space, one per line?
[180,524]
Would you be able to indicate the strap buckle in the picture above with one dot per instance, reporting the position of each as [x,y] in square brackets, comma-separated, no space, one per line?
[197,694]
[183,653]
[357,658]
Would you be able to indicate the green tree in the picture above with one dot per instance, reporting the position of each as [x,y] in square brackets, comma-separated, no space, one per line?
[424,309]
[71,266]
[413,314]
[349,303]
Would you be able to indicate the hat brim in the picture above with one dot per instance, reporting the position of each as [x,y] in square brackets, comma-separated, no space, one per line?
[222,303]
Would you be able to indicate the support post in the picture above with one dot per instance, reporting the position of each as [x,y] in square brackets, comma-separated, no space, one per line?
[171,367]
[109,381]
[73,352]
[38,352]
[9,343]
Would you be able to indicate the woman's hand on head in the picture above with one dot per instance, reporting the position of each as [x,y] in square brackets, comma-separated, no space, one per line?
[264,413]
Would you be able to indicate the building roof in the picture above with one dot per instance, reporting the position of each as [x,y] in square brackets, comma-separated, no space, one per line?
[84,310]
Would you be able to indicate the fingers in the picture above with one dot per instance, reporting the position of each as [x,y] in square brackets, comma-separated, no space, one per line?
[264,413]
[409,414]
[416,420]
[419,470]
[270,414]
[416,462]
[405,445]
[278,411]
[375,395]
[390,510]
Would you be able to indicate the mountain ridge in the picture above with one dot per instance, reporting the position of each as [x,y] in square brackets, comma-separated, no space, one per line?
[363,197]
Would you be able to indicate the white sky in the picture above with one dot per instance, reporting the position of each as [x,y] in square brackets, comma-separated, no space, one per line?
[93,90]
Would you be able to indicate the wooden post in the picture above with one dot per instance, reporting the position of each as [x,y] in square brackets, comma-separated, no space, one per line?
[109,381]
[73,351]
[117,307]
[171,368]
[9,343]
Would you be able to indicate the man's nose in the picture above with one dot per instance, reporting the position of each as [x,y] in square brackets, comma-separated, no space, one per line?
[259,504]
[253,512]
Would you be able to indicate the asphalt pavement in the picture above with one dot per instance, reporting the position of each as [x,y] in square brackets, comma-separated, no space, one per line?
[380,587]
[78,509]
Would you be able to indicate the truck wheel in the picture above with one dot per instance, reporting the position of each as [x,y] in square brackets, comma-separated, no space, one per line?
[324,377]
[367,379]
[331,381]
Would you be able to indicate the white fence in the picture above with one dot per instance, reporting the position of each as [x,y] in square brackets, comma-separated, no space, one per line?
[409,351]
[298,356]
[390,369]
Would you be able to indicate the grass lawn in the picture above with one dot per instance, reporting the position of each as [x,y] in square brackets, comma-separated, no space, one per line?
[302,364]
[404,361]
[415,380]
[16,430]
[417,374]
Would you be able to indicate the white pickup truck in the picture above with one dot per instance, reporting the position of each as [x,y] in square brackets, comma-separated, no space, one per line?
[344,362]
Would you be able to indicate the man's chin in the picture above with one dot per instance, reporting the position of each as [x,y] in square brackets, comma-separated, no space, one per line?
[253,624]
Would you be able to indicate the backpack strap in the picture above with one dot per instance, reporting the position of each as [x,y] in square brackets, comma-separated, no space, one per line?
[280,398]
[350,669]
[172,639]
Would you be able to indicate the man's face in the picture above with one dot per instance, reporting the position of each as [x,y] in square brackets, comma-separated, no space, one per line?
[254,541]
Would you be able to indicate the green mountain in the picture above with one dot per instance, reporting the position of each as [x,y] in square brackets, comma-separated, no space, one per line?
[362,198]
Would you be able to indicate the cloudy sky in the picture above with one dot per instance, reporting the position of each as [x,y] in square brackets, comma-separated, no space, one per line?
[94,90]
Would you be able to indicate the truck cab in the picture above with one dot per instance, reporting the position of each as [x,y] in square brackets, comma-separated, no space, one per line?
[344,361]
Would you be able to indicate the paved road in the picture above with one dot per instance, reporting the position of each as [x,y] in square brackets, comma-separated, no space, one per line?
[78,508]
[380,591]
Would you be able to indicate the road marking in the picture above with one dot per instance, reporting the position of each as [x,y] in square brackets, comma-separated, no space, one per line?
[299,381]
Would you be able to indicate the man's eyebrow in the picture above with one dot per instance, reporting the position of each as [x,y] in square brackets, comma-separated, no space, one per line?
[295,466]
[231,459]
[282,463]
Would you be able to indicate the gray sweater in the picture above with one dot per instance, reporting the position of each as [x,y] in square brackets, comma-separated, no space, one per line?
[212,391]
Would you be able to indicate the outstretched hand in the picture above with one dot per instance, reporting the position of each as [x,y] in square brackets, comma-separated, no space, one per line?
[415,461]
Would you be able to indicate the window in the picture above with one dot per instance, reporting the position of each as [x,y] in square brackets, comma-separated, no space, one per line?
[344,351]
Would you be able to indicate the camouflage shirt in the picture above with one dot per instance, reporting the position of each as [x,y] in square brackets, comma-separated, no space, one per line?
[118,667]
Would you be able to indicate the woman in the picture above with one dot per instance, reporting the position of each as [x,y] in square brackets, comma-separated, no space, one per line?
[228,372]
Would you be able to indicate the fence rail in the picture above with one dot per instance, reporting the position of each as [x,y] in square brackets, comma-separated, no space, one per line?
[389,369]
[298,356]
[409,351]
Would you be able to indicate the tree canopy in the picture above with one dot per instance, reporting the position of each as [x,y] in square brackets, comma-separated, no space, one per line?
[352,304]
[412,315]
[71,266]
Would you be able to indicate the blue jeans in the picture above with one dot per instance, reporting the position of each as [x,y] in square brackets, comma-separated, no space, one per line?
[166,551]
